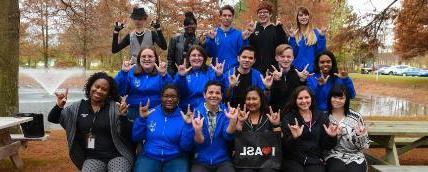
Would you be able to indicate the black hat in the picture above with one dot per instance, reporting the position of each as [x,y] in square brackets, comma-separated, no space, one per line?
[138,13]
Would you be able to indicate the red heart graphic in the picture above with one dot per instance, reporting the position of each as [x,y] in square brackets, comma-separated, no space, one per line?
[266,151]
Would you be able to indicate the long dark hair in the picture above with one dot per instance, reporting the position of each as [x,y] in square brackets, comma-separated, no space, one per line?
[112,92]
[139,69]
[291,105]
[204,66]
[339,90]
[333,63]
[264,106]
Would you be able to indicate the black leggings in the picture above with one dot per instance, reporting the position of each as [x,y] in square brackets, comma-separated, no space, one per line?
[337,165]
[294,166]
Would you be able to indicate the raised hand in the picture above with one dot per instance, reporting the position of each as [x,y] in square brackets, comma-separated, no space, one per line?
[360,130]
[342,73]
[188,117]
[233,79]
[123,106]
[323,31]
[291,32]
[274,117]
[182,70]
[304,74]
[322,80]
[155,24]
[246,34]
[219,67]
[231,112]
[127,65]
[332,130]
[61,98]
[277,74]
[198,122]
[243,114]
[278,21]
[267,80]
[161,68]
[212,34]
[118,26]
[144,110]
[296,130]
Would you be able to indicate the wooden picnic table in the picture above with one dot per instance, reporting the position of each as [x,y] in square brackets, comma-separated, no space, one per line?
[385,133]
[8,147]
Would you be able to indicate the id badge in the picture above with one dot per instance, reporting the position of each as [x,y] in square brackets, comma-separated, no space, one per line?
[91,142]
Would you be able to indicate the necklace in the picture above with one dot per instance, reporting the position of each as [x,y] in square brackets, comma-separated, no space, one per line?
[139,33]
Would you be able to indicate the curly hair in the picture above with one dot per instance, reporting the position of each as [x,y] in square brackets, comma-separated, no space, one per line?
[112,92]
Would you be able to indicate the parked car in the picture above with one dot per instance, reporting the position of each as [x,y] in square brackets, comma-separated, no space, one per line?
[395,70]
[423,73]
[414,72]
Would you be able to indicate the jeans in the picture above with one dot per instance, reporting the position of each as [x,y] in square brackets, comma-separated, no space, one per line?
[147,164]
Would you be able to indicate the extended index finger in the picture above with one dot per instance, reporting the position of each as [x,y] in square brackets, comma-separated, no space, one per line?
[306,67]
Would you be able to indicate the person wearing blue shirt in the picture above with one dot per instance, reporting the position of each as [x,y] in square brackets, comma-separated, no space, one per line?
[224,42]
[326,77]
[240,78]
[143,81]
[213,132]
[193,74]
[306,41]
[165,135]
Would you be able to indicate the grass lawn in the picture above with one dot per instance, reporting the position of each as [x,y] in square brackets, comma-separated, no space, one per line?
[392,80]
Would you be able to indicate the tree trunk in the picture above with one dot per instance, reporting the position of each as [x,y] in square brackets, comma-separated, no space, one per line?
[274,10]
[9,57]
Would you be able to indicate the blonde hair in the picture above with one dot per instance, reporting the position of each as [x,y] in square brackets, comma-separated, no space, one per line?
[308,33]
[281,48]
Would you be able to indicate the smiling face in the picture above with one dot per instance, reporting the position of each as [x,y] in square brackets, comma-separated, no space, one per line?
[304,100]
[169,99]
[338,102]
[264,16]
[213,95]
[139,23]
[325,64]
[285,59]
[246,59]
[303,18]
[196,58]
[99,90]
[226,18]
[147,59]
[253,101]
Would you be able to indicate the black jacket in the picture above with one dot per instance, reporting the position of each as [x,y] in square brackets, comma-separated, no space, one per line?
[308,148]
[265,41]
[283,88]
[177,50]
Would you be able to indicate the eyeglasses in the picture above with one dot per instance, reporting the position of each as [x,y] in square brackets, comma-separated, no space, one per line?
[263,12]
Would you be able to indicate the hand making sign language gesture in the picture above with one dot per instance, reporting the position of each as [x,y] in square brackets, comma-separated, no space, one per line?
[296,130]
[277,74]
[182,70]
[198,123]
[123,106]
[218,68]
[212,33]
[144,110]
[322,79]
[233,79]
[267,80]
[342,73]
[304,74]
[61,98]
[323,31]
[161,68]
[127,65]
[332,130]
[274,117]
[291,32]
[360,130]
[231,112]
[188,117]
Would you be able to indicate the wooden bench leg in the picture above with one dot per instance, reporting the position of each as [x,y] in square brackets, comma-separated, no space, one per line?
[17,161]
[391,152]
[413,145]
[10,149]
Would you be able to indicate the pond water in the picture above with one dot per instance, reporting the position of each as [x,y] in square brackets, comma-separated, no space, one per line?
[37,100]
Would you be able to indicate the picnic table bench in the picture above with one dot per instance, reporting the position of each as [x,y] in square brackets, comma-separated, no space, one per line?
[394,168]
[8,147]
[384,133]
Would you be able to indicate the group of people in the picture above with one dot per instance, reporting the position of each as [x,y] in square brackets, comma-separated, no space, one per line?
[189,114]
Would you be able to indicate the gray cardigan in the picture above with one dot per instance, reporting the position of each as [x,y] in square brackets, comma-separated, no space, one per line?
[68,119]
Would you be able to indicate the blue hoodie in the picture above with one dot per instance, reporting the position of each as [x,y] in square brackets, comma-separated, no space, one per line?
[322,92]
[305,54]
[166,136]
[214,151]
[225,46]
[192,86]
[140,88]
